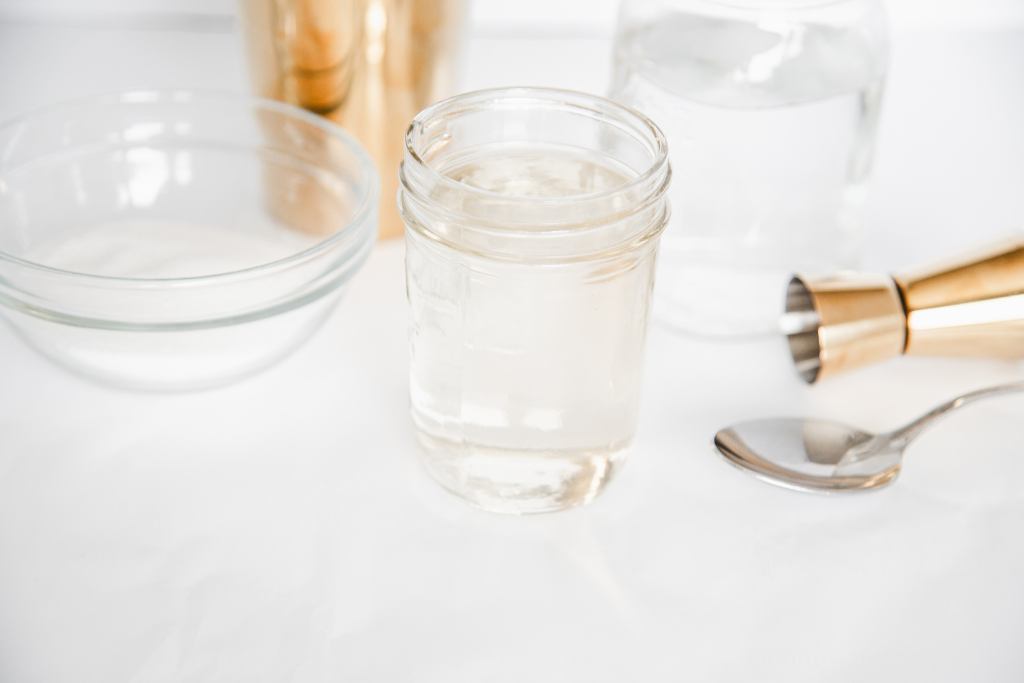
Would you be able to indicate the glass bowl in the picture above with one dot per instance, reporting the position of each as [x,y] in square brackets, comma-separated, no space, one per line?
[176,240]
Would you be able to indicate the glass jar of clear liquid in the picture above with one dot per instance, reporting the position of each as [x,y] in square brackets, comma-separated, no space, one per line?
[532,223]
[770,109]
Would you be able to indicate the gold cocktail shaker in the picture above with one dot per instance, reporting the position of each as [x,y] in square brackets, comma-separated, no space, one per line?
[968,306]
[368,65]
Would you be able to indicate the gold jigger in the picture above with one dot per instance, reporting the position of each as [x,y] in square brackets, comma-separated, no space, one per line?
[969,306]
[368,65]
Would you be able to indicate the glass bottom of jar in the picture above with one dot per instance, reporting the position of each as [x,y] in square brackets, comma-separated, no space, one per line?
[516,481]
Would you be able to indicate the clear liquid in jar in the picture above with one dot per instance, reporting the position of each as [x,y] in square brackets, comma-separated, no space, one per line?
[525,378]
[770,127]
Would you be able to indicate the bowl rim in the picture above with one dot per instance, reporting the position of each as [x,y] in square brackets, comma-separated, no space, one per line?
[362,215]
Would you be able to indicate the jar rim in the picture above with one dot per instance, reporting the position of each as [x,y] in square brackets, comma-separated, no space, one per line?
[595,105]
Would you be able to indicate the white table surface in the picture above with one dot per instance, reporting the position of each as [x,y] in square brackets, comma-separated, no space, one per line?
[281,530]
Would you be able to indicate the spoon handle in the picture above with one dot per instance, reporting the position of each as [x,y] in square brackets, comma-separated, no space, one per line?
[909,432]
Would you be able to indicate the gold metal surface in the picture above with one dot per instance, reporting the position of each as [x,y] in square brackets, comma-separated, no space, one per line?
[368,65]
[293,197]
[971,306]
[859,321]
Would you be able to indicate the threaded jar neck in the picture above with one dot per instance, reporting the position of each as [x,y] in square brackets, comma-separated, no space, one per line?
[534,174]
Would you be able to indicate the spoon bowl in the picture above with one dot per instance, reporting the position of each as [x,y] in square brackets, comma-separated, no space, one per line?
[810,454]
[806,454]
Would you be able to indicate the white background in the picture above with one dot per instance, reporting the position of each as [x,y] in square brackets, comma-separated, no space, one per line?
[280,530]
[596,16]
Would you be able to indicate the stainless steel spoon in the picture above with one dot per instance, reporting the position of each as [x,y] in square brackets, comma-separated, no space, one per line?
[821,455]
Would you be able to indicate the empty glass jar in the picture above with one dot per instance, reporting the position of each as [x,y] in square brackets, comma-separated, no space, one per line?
[770,109]
[532,223]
